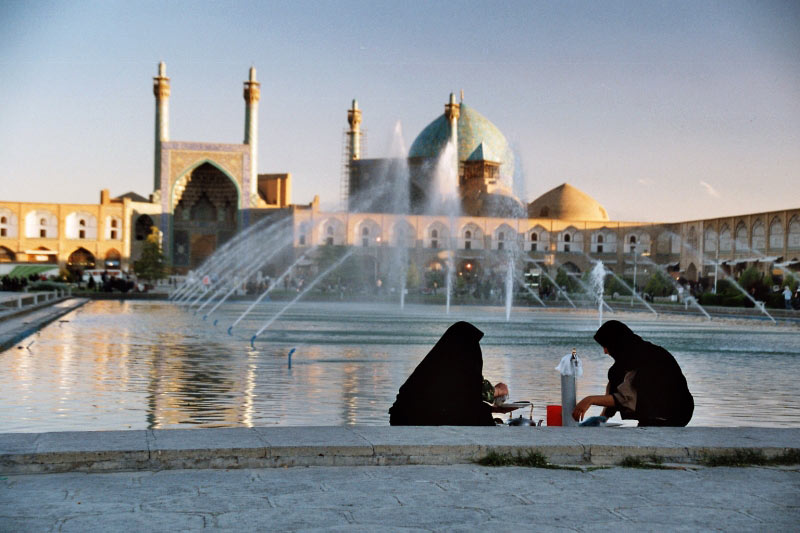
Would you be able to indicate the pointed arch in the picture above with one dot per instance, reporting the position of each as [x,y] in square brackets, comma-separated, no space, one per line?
[504,237]
[570,239]
[604,241]
[793,238]
[112,258]
[113,228]
[402,234]
[758,236]
[81,258]
[538,238]
[81,225]
[436,235]
[742,242]
[776,234]
[9,225]
[180,184]
[331,232]
[725,240]
[709,240]
[41,224]
[367,233]
[7,255]
[143,227]
[470,237]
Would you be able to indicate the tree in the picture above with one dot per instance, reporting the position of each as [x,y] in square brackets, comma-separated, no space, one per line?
[412,276]
[658,285]
[150,265]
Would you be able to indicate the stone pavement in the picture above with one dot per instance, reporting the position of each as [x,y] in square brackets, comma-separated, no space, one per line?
[392,479]
[278,446]
[405,498]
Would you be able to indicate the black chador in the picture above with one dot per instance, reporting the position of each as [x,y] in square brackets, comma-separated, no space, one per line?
[445,388]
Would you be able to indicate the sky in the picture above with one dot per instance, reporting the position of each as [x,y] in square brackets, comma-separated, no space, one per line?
[661,111]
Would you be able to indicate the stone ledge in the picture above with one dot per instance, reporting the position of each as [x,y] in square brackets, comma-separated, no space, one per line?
[270,447]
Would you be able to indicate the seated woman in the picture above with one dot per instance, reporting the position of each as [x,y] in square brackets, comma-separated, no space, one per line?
[445,388]
[645,382]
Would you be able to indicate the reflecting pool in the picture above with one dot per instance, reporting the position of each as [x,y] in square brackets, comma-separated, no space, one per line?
[134,365]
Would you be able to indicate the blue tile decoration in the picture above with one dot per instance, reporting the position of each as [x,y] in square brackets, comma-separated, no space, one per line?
[474,130]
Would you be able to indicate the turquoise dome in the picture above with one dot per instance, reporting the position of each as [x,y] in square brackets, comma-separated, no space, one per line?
[478,138]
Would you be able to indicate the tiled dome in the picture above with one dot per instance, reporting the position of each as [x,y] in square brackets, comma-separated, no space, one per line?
[473,130]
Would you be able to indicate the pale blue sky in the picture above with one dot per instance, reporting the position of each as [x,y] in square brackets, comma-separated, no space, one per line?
[660,110]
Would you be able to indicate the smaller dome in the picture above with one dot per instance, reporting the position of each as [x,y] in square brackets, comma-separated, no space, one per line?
[566,202]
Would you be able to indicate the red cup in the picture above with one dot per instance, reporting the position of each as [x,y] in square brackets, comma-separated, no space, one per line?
[553,415]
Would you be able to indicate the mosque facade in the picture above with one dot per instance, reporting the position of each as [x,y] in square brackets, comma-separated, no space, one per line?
[204,193]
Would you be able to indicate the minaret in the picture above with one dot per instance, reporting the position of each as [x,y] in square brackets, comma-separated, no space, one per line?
[452,110]
[354,119]
[252,94]
[161,92]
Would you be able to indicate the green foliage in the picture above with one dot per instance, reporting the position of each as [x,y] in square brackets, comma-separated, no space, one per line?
[659,284]
[545,284]
[613,285]
[530,459]
[750,278]
[564,280]
[412,276]
[434,276]
[744,457]
[150,265]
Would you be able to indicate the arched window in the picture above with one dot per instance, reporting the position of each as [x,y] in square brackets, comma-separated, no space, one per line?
[632,244]
[467,241]
[434,238]
[741,237]
[600,238]
[794,234]
[534,237]
[468,234]
[567,237]
[6,255]
[776,234]
[759,239]
[329,238]
[710,240]
[143,227]
[725,243]
[365,237]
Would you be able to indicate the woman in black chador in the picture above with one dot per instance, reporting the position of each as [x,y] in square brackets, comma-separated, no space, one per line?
[445,388]
[645,382]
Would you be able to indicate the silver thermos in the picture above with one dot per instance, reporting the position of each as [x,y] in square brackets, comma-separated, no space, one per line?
[568,391]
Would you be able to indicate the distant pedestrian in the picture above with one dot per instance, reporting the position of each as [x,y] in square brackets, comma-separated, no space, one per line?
[787,297]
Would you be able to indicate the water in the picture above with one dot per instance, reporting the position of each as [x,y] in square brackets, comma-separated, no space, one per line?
[134,365]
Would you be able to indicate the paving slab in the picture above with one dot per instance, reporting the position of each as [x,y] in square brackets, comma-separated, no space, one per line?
[404,498]
[322,445]
[361,445]
[78,450]
[206,448]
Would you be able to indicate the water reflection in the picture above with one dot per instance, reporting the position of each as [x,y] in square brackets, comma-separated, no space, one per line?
[112,365]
